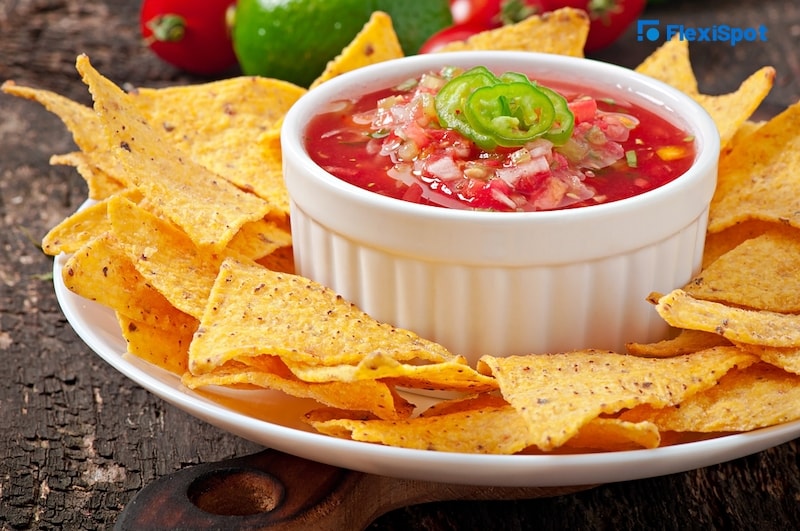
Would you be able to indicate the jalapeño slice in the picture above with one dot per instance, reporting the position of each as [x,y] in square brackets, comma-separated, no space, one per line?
[452,98]
[511,113]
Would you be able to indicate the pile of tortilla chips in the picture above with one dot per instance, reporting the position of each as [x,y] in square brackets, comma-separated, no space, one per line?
[187,239]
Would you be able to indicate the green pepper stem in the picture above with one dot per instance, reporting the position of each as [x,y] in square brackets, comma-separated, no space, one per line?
[168,28]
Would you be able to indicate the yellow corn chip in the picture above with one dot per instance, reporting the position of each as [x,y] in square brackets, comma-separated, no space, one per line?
[719,243]
[758,179]
[100,271]
[670,64]
[368,395]
[280,260]
[686,342]
[376,42]
[217,124]
[577,387]
[730,111]
[742,277]
[609,434]
[258,239]
[210,209]
[165,348]
[754,327]
[561,32]
[757,396]
[450,375]
[482,431]
[81,227]
[181,271]
[80,120]
[254,311]
[101,184]
[787,358]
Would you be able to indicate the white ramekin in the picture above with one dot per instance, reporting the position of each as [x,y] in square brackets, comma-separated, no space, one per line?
[503,283]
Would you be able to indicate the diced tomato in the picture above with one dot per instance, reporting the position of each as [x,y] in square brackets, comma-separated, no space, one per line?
[584,109]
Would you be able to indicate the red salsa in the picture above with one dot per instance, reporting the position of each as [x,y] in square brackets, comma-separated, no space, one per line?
[474,140]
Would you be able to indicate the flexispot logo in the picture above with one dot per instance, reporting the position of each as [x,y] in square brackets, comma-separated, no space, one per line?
[651,30]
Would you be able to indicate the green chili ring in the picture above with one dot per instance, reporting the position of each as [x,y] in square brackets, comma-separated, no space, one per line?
[452,98]
[511,113]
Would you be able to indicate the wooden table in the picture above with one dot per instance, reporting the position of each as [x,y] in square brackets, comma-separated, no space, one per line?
[79,440]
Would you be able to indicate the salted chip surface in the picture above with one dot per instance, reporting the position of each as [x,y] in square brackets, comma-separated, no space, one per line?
[258,239]
[686,342]
[610,434]
[787,358]
[743,400]
[450,375]
[375,43]
[370,396]
[165,256]
[671,64]
[562,31]
[79,228]
[100,271]
[165,348]
[576,387]
[719,243]
[762,273]
[759,178]
[101,185]
[207,207]
[489,430]
[730,111]
[216,123]
[81,120]
[753,327]
[253,311]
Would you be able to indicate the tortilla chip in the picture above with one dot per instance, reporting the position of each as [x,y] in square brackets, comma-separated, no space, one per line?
[614,435]
[743,277]
[461,404]
[719,243]
[210,209]
[80,120]
[670,64]
[165,348]
[281,260]
[368,395]
[165,256]
[754,327]
[253,311]
[686,342]
[258,239]
[562,31]
[375,43]
[450,375]
[742,133]
[747,399]
[577,387]
[787,358]
[80,228]
[100,271]
[483,431]
[101,185]
[759,179]
[217,123]
[730,111]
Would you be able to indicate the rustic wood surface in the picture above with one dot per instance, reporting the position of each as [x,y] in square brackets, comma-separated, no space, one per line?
[78,440]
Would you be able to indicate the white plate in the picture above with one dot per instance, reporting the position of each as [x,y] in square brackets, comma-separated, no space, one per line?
[271,419]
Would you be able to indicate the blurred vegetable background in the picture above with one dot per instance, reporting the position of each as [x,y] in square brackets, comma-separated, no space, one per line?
[294,39]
